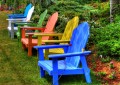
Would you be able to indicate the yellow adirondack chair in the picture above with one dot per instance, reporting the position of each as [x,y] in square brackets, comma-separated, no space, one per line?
[65,37]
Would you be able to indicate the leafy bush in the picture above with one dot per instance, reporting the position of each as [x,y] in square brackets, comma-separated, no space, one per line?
[107,39]
[68,9]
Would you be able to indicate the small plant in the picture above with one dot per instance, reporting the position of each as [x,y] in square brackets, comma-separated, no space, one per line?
[111,65]
[105,59]
[101,74]
[112,75]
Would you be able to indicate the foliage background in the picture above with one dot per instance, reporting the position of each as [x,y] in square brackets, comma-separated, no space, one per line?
[104,36]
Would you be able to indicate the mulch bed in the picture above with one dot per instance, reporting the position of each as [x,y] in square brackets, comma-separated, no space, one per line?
[112,75]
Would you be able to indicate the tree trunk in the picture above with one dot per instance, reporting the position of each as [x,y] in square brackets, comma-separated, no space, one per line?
[114,8]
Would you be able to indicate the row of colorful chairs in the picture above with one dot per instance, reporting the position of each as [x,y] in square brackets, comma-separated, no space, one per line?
[71,47]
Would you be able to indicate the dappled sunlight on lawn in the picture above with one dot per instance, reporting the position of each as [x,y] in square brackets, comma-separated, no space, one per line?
[3,21]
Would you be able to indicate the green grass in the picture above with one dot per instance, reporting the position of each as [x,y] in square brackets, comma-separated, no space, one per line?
[16,68]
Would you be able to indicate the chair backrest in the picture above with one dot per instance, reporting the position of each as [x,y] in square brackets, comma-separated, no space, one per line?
[71,25]
[30,12]
[28,7]
[50,25]
[78,42]
[42,17]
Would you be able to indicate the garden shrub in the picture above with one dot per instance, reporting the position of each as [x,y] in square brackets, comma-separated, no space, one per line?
[107,39]
[69,9]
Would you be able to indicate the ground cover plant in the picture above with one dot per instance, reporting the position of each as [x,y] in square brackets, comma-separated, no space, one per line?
[107,39]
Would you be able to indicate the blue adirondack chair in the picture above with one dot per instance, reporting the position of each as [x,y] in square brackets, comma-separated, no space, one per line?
[74,56]
[24,15]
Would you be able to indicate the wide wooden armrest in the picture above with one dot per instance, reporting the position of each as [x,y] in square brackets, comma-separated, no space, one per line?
[45,34]
[56,41]
[69,54]
[51,46]
[15,19]
[18,17]
[42,47]
[22,22]
[33,28]
[48,34]
[15,14]
[29,34]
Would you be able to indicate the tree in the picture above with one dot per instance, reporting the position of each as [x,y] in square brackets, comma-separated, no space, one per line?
[114,8]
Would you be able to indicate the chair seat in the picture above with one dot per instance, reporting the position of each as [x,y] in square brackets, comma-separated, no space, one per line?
[56,51]
[15,28]
[62,66]
[25,41]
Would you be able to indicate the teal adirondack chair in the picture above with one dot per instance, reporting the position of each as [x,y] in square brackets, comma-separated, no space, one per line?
[74,56]
[12,29]
[39,24]
[24,15]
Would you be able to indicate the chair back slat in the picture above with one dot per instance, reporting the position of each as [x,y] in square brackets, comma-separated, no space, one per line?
[28,7]
[71,25]
[30,12]
[78,42]
[50,25]
[42,17]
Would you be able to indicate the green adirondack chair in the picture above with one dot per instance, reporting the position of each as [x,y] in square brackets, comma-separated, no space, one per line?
[39,24]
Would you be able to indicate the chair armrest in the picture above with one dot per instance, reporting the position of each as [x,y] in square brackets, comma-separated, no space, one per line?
[42,47]
[56,56]
[23,23]
[12,16]
[15,19]
[51,46]
[18,17]
[56,41]
[15,14]
[43,34]
[48,34]
[23,29]
[32,28]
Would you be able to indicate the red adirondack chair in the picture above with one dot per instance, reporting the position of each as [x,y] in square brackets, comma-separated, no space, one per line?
[29,42]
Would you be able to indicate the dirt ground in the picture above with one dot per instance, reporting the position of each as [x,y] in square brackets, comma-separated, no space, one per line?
[108,73]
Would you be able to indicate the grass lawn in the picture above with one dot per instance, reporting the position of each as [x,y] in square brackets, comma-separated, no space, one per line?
[16,68]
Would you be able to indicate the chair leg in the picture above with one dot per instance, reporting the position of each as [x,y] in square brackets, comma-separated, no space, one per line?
[23,46]
[86,69]
[46,53]
[55,79]
[87,76]
[29,51]
[42,72]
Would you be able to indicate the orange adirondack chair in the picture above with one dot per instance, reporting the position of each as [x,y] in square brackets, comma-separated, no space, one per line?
[29,42]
